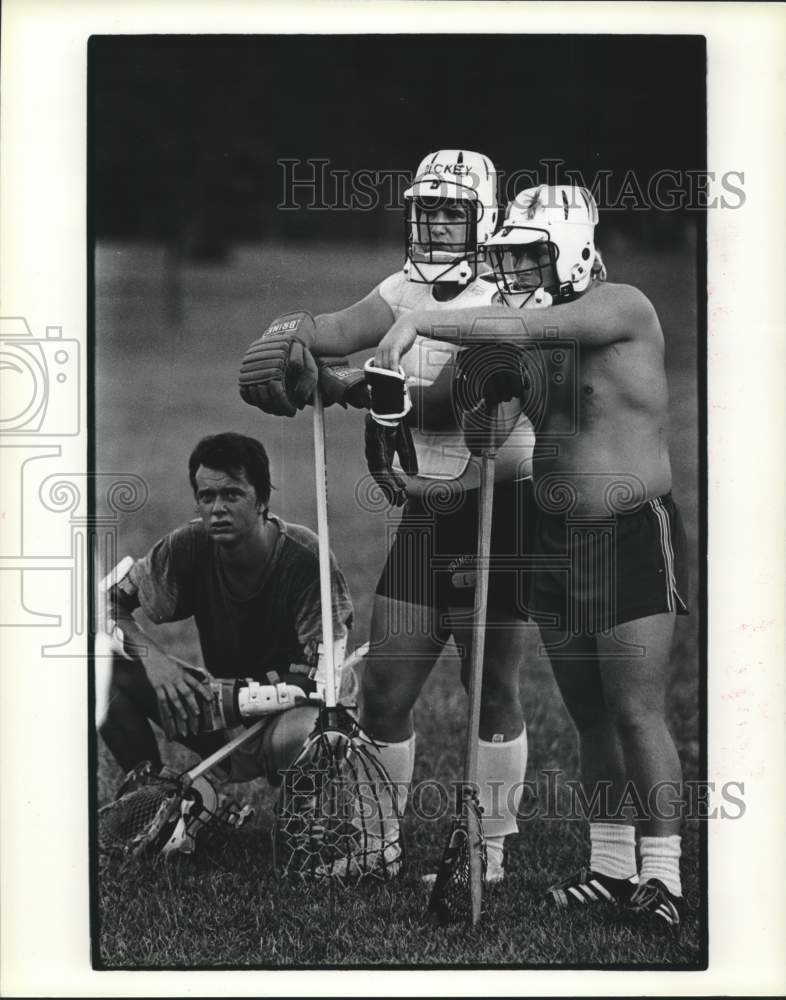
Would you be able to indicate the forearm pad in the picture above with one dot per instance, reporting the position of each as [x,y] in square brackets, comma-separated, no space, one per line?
[235,701]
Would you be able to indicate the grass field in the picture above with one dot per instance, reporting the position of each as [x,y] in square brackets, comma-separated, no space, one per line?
[167,353]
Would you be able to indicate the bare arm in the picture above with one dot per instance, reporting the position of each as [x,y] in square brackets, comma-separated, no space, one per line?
[605,315]
[278,372]
[356,328]
[176,689]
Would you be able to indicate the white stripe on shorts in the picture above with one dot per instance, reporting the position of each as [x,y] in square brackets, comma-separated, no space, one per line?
[667,551]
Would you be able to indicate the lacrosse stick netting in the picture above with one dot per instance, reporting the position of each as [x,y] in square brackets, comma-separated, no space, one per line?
[337,815]
[149,806]
[457,893]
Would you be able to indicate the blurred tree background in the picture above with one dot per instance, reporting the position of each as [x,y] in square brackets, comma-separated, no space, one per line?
[187,132]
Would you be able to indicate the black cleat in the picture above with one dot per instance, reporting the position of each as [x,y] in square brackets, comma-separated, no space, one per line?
[586,886]
[652,900]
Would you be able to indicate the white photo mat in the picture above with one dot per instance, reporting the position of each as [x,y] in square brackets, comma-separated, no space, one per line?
[43,739]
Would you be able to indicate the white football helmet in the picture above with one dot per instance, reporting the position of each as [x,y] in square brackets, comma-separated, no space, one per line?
[556,225]
[450,212]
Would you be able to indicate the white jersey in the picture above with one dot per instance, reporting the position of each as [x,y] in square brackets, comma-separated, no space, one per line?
[442,454]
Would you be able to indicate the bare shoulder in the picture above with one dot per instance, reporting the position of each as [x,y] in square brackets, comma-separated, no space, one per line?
[626,300]
[624,308]
[377,299]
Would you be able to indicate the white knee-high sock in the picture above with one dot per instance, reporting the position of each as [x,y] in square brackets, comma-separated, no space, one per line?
[660,858]
[398,759]
[501,769]
[613,849]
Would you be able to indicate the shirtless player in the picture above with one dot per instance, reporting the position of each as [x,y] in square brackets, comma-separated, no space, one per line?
[608,550]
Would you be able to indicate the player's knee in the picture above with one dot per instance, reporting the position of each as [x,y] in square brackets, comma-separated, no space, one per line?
[591,723]
[120,701]
[120,719]
[128,679]
[378,691]
[282,741]
[384,707]
[633,720]
[500,710]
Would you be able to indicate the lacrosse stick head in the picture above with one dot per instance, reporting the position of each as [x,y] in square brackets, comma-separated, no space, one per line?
[161,813]
[338,814]
[143,815]
[458,889]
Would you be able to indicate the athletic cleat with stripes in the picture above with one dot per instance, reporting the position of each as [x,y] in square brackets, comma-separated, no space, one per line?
[653,899]
[586,886]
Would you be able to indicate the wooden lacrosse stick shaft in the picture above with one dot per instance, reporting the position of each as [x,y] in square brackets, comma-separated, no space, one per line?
[323,538]
[468,823]
[479,615]
[486,507]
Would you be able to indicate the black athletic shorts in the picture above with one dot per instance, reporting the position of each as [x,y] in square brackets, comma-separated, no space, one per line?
[432,559]
[589,574]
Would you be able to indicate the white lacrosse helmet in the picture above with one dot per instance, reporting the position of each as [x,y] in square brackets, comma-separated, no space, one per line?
[561,218]
[450,212]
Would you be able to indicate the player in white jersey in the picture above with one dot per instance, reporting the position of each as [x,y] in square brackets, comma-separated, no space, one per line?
[425,592]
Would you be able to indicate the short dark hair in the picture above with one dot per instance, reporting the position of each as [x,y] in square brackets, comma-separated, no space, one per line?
[233,454]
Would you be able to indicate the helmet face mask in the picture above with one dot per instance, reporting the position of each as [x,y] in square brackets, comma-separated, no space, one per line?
[441,232]
[560,221]
[526,273]
[450,212]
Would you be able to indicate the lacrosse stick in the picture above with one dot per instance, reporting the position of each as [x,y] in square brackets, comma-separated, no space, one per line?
[146,815]
[458,888]
[337,816]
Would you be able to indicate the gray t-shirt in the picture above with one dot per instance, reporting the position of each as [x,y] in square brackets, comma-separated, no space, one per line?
[277,626]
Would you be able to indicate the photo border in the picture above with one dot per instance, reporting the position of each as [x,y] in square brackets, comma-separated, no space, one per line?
[45,891]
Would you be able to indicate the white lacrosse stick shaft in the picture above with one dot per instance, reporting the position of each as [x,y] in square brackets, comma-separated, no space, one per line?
[323,536]
[223,752]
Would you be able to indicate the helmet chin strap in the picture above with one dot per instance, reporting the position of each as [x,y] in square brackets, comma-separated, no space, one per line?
[538,298]
[598,267]
[460,272]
